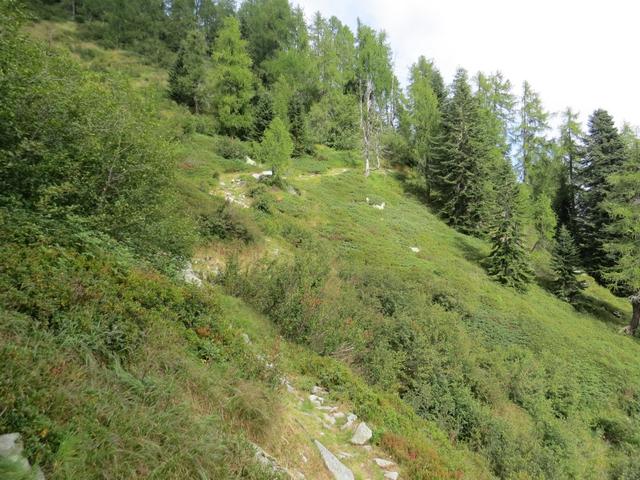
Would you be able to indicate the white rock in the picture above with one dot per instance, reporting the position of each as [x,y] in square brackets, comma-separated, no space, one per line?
[381,206]
[329,419]
[415,249]
[316,390]
[10,444]
[189,276]
[382,463]
[335,466]
[337,415]
[391,475]
[249,161]
[351,418]
[246,338]
[363,434]
[316,400]
[343,455]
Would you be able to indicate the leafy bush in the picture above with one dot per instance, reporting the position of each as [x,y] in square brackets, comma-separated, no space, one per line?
[228,223]
[232,148]
[78,144]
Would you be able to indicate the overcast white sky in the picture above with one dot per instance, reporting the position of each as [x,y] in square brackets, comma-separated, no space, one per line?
[578,53]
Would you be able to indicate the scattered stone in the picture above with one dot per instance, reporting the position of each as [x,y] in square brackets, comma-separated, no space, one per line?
[335,466]
[268,461]
[328,409]
[11,448]
[415,249]
[391,475]
[10,444]
[249,161]
[189,276]
[329,419]
[351,418]
[337,415]
[316,390]
[382,463]
[246,338]
[363,434]
[343,455]
[380,207]
[261,175]
[316,400]
[367,448]
[304,458]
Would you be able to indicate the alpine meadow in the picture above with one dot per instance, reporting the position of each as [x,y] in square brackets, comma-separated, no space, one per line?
[234,244]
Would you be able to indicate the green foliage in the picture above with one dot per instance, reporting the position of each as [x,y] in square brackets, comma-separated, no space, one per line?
[231,85]
[533,123]
[86,146]
[425,116]
[268,26]
[228,223]
[460,160]
[298,126]
[333,121]
[187,77]
[276,147]
[565,263]
[232,148]
[544,220]
[604,156]
[508,262]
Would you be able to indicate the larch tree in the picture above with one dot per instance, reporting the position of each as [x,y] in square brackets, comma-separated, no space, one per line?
[604,156]
[232,83]
[424,117]
[623,207]
[460,159]
[529,135]
[188,74]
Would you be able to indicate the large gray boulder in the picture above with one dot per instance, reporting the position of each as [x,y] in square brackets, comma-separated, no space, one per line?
[335,466]
[363,434]
[11,448]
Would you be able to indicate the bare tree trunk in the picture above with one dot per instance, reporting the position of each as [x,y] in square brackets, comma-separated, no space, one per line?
[635,316]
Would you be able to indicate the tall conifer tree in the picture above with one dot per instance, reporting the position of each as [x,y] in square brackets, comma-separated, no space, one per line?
[604,156]
[565,263]
[460,159]
[232,82]
[508,262]
[187,76]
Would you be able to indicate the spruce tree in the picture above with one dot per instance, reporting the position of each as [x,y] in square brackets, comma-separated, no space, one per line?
[232,81]
[565,262]
[623,242]
[460,160]
[298,125]
[604,156]
[263,114]
[571,138]
[187,76]
[508,262]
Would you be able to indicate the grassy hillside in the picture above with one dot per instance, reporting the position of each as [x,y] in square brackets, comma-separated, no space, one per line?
[115,368]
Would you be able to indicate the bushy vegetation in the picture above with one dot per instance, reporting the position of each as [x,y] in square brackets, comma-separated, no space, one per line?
[112,166]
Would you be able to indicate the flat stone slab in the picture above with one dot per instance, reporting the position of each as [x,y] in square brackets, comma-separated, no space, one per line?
[382,463]
[363,434]
[335,466]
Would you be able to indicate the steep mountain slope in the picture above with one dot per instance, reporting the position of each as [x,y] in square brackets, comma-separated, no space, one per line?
[118,370]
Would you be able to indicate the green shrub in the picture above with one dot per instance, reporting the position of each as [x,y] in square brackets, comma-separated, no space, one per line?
[228,223]
[232,148]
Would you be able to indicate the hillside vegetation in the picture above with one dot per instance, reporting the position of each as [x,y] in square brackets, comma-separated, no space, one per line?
[117,363]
